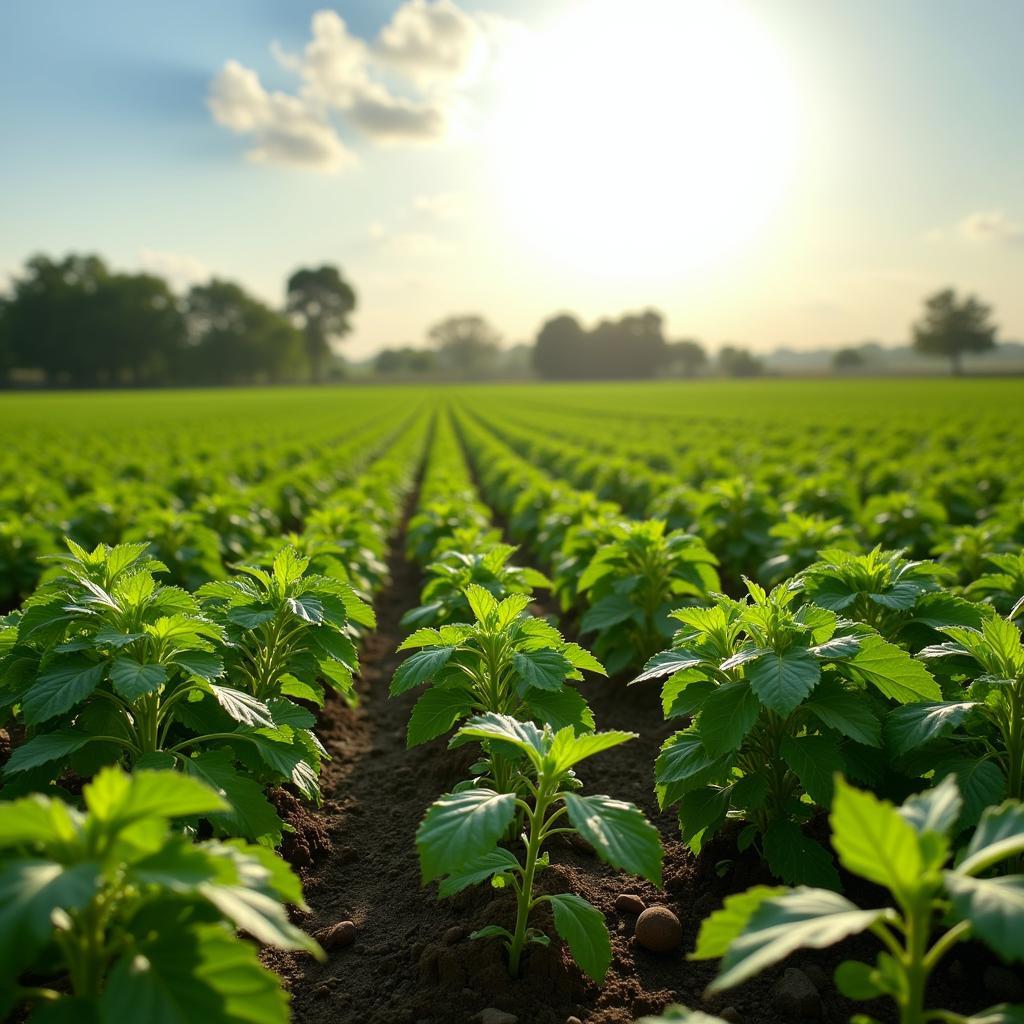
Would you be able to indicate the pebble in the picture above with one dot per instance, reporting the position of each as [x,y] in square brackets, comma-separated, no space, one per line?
[573,1020]
[454,934]
[630,903]
[492,1016]
[658,930]
[341,934]
[795,996]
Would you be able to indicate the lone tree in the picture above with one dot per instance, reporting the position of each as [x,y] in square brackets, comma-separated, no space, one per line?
[320,300]
[466,344]
[686,356]
[950,328]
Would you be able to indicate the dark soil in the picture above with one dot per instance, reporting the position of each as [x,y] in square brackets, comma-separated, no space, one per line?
[412,961]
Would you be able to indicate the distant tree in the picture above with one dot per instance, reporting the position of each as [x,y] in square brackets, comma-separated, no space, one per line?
[321,300]
[6,355]
[950,328]
[560,350]
[238,339]
[407,360]
[631,347]
[465,344]
[848,359]
[80,324]
[686,356]
[738,362]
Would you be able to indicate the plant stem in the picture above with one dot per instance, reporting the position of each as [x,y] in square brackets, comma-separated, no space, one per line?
[524,900]
[914,965]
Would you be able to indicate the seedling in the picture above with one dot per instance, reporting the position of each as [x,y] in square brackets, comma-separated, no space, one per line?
[907,851]
[458,840]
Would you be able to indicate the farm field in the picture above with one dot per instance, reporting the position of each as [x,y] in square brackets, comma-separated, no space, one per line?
[380,641]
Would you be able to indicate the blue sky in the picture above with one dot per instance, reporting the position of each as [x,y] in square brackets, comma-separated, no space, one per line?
[782,172]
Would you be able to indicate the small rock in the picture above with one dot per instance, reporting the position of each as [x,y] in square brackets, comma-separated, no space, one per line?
[573,1020]
[1003,985]
[347,854]
[658,930]
[454,934]
[630,903]
[817,977]
[341,934]
[795,996]
[493,1016]
[731,1014]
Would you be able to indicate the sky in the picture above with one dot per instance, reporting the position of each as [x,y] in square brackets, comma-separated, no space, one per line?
[764,172]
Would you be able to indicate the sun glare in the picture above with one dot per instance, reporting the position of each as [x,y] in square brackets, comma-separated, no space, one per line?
[644,138]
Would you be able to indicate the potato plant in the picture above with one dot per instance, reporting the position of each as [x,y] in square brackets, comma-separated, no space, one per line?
[112,913]
[459,838]
[780,696]
[504,662]
[936,901]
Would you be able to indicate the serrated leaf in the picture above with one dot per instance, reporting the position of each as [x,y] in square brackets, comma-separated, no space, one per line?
[418,668]
[801,919]
[1000,834]
[250,814]
[583,928]
[561,708]
[981,785]
[891,671]
[873,841]
[912,725]
[44,749]
[726,716]
[845,712]
[242,707]
[796,858]
[132,679]
[619,834]
[994,907]
[63,684]
[493,863]
[814,760]
[544,669]
[719,930]
[460,828]
[436,712]
[782,681]
[568,750]
[666,663]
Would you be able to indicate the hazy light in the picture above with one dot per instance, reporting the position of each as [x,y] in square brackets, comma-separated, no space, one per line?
[646,137]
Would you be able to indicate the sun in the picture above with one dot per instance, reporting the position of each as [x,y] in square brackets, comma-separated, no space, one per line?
[644,138]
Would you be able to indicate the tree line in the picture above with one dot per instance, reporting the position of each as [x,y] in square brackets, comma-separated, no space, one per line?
[75,322]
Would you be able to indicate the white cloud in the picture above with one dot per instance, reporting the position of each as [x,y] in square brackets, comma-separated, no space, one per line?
[434,44]
[180,271]
[285,129]
[991,226]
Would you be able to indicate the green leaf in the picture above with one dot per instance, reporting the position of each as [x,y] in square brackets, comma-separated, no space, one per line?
[935,810]
[34,819]
[243,707]
[873,841]
[63,684]
[418,668]
[203,664]
[436,712]
[801,919]
[44,749]
[814,760]
[581,658]
[981,785]
[782,681]
[425,637]
[481,601]
[250,813]
[609,611]
[856,980]
[796,858]
[719,930]
[702,809]
[460,828]
[545,669]
[561,708]
[995,909]
[891,671]
[912,725]
[619,833]
[258,914]
[684,759]
[30,890]
[568,750]
[583,928]
[494,863]
[524,735]
[114,795]
[727,715]
[676,1014]
[203,974]
[1000,834]
[132,679]
[848,713]
[1004,1013]
[666,663]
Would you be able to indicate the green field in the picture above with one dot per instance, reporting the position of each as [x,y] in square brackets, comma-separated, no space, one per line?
[240,622]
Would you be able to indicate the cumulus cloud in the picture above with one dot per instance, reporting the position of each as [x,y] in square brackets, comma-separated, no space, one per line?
[991,226]
[181,271]
[433,44]
[284,129]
